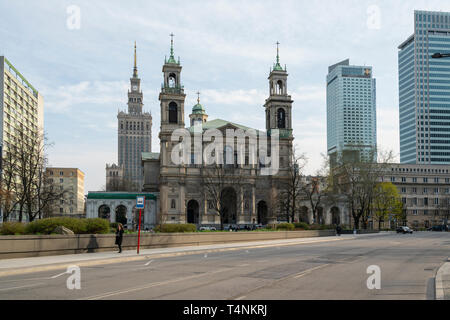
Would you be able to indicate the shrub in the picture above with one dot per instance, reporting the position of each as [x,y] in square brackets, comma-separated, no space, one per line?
[179,227]
[301,225]
[12,228]
[285,226]
[96,225]
[78,226]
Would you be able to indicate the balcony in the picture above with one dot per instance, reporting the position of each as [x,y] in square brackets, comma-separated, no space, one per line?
[172,90]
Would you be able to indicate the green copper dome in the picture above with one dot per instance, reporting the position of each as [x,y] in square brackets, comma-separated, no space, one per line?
[198,109]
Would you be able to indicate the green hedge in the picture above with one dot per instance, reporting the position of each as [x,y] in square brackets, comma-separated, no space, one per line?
[285,226]
[78,226]
[178,227]
[12,228]
[301,225]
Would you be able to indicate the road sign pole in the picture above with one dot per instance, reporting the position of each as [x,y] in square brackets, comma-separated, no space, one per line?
[139,231]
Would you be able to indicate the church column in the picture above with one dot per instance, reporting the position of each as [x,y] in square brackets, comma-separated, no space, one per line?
[241,217]
[253,204]
[182,217]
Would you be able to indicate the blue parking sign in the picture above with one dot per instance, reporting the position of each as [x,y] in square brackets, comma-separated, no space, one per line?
[140,202]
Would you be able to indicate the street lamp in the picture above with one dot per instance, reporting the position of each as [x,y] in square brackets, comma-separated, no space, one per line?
[439,55]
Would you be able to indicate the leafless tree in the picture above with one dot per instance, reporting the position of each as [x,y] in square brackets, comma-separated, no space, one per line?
[356,178]
[215,181]
[291,188]
[25,188]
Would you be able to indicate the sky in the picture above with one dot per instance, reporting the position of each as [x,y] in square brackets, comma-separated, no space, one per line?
[79,56]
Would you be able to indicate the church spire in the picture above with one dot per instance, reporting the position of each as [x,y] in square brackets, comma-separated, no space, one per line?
[277,65]
[172,58]
[135,73]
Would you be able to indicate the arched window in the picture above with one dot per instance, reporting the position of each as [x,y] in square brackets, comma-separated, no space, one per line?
[281,116]
[173,112]
[172,80]
[279,87]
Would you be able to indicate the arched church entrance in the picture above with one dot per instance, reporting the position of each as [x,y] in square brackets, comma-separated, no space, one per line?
[192,212]
[104,212]
[262,212]
[121,214]
[228,205]
[303,216]
[335,216]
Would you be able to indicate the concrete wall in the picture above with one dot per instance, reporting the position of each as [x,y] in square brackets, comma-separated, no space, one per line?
[33,246]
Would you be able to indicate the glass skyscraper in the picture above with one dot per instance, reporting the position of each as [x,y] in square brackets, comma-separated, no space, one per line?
[424,91]
[351,112]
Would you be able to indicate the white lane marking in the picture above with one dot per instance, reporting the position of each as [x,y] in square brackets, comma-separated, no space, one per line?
[148,263]
[206,255]
[240,298]
[26,286]
[58,275]
[301,274]
[154,284]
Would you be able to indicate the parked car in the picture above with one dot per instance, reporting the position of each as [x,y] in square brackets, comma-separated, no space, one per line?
[441,227]
[207,228]
[404,229]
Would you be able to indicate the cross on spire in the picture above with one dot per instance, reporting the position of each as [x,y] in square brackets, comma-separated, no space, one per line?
[198,96]
[171,44]
[277,65]
[278,57]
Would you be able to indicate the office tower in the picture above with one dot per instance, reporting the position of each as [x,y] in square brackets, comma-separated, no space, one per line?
[351,112]
[424,91]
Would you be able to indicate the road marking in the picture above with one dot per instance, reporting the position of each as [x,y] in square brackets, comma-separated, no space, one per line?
[150,285]
[240,298]
[243,265]
[58,275]
[148,263]
[26,286]
[301,274]
[88,263]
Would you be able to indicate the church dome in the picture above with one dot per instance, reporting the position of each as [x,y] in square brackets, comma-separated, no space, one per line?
[198,109]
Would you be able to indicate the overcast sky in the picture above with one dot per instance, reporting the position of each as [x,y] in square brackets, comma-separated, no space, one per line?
[226,50]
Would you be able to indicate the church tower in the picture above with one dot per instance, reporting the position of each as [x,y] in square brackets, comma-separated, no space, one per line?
[279,110]
[172,176]
[198,115]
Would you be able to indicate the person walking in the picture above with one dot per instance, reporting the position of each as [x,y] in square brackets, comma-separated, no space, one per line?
[119,236]
[338,230]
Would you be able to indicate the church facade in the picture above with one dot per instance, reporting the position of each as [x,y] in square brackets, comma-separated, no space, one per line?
[240,190]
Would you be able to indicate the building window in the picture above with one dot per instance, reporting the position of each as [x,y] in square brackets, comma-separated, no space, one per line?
[281,116]
[61,210]
[61,173]
[61,180]
[173,112]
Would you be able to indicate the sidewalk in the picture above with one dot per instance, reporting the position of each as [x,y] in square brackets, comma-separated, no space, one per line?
[442,282]
[10,267]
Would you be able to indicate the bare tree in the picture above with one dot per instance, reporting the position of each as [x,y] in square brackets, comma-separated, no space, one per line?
[291,188]
[25,188]
[356,178]
[215,181]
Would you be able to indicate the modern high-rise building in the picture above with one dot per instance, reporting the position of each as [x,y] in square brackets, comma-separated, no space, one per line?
[424,91]
[21,109]
[70,180]
[134,133]
[351,112]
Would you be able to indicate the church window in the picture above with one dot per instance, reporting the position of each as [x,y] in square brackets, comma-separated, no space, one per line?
[279,87]
[173,112]
[281,116]
[172,80]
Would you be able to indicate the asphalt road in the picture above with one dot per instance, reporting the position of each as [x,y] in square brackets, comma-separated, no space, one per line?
[326,270]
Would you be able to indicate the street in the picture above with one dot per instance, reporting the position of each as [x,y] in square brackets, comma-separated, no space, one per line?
[335,269]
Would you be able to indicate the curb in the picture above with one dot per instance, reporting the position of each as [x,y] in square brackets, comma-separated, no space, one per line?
[439,282]
[148,256]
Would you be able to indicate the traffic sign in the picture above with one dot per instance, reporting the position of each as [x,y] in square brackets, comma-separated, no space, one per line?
[140,202]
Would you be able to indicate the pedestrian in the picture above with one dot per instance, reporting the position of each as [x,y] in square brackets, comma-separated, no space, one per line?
[338,230]
[119,236]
